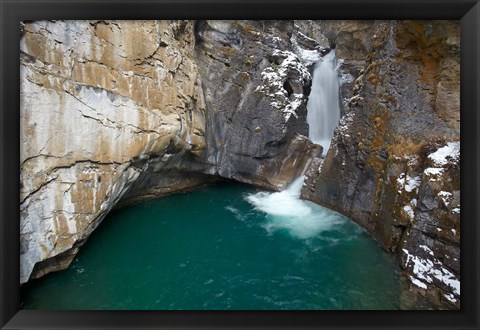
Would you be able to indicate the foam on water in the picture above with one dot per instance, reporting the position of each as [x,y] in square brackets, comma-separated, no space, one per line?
[286,211]
[190,251]
[283,203]
[238,215]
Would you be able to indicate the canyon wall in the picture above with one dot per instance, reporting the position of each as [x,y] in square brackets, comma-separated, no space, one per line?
[255,87]
[115,112]
[394,164]
[101,103]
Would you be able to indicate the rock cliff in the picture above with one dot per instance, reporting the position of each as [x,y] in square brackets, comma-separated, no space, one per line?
[115,112]
[394,164]
[101,103]
[255,89]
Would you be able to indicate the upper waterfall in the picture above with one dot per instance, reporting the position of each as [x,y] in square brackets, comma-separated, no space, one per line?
[323,110]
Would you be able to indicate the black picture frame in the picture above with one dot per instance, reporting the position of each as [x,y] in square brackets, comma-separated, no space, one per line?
[14,11]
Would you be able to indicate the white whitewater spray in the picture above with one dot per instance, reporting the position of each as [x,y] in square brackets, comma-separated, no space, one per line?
[285,210]
[323,110]
[284,203]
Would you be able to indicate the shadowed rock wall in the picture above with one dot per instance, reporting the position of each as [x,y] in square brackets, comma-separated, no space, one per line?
[255,89]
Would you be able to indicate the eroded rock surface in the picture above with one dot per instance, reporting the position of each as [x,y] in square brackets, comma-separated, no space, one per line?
[98,99]
[381,169]
[255,89]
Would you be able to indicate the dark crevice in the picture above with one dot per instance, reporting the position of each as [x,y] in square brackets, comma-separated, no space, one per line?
[307,89]
[198,29]
[288,88]
[27,58]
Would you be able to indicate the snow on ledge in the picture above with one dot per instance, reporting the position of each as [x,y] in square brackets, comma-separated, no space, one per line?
[274,78]
[446,154]
[433,173]
[446,197]
[408,183]
[450,297]
[418,283]
[306,55]
[426,270]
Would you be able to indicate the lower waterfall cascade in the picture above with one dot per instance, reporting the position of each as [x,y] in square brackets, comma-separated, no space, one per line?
[323,110]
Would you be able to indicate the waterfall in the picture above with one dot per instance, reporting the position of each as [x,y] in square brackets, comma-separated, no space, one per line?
[284,208]
[295,187]
[323,110]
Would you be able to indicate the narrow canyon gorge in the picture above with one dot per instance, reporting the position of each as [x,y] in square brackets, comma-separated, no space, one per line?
[118,112]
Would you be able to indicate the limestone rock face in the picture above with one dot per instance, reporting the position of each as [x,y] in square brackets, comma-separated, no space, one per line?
[98,99]
[255,86]
[393,165]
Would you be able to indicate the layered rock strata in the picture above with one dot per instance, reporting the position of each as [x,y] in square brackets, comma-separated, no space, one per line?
[101,103]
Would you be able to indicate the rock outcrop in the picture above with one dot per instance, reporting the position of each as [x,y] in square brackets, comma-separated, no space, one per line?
[255,89]
[101,103]
[394,162]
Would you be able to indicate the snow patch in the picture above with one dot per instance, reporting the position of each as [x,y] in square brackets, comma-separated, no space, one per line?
[412,183]
[408,183]
[427,270]
[346,78]
[409,211]
[344,123]
[446,197]
[433,173]
[446,154]
[275,39]
[306,55]
[426,249]
[274,78]
[450,297]
[418,283]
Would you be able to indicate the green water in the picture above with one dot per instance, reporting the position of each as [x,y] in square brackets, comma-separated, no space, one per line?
[213,249]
